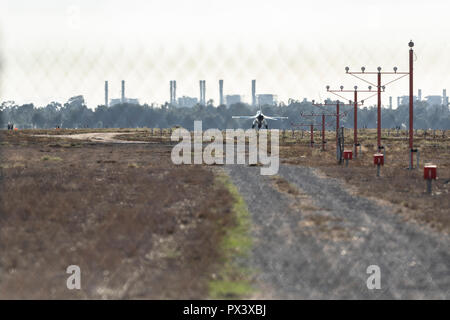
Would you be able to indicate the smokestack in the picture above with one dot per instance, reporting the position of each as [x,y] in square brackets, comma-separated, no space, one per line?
[106,94]
[221,91]
[204,92]
[253,92]
[201,91]
[398,101]
[419,95]
[390,102]
[174,91]
[123,91]
[444,97]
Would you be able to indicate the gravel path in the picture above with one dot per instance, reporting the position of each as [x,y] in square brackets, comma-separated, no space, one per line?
[318,244]
[104,137]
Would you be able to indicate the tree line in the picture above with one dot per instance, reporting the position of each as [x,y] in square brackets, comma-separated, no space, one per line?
[76,114]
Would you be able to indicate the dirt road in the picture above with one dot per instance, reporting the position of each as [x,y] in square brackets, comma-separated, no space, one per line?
[315,240]
[106,137]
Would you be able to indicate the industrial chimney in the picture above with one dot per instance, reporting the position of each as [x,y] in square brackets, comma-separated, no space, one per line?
[123,91]
[444,97]
[174,91]
[202,92]
[253,92]
[390,102]
[419,96]
[221,91]
[106,94]
[171,91]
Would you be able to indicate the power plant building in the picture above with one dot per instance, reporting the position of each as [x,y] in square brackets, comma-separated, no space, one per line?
[434,100]
[233,99]
[113,102]
[267,99]
[187,102]
[123,98]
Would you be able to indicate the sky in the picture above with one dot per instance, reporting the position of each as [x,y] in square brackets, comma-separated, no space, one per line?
[51,50]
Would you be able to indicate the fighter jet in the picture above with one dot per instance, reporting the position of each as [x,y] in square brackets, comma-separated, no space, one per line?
[259,119]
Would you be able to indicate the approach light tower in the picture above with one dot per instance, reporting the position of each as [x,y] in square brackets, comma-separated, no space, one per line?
[411,105]
[356,104]
[380,87]
[338,115]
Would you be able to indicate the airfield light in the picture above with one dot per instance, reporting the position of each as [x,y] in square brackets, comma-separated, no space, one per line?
[378,160]
[429,174]
[348,155]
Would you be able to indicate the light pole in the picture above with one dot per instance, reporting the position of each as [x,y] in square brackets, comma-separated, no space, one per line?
[381,87]
[336,104]
[311,127]
[322,115]
[355,109]
[411,105]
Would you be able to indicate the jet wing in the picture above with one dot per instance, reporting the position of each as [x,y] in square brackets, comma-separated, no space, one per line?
[243,117]
[275,118]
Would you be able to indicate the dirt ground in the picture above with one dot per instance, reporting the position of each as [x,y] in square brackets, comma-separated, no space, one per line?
[142,228]
[397,185]
[137,226]
[406,189]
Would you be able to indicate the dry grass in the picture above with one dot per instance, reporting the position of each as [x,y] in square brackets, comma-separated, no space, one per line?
[138,226]
[397,185]
[284,186]
[403,188]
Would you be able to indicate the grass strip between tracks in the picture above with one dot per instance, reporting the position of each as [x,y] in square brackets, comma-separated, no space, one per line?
[233,279]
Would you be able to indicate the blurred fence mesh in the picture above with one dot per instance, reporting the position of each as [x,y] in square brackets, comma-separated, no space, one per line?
[76,47]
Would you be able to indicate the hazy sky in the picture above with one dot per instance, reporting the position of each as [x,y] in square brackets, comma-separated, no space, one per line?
[54,49]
